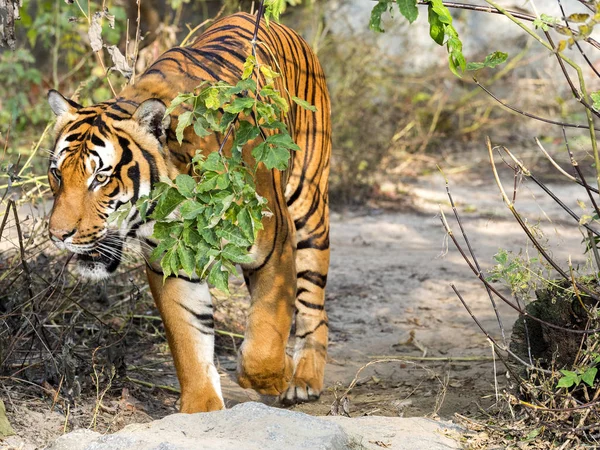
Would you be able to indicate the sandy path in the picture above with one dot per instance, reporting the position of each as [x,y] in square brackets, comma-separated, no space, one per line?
[388,279]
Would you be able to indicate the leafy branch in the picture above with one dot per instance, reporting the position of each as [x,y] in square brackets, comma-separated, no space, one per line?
[207,221]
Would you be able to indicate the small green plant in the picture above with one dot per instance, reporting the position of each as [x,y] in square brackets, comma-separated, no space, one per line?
[574,378]
[515,271]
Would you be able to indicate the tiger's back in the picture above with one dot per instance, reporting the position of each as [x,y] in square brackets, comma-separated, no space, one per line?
[291,254]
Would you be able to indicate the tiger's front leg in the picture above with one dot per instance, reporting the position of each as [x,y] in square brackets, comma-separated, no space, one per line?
[263,363]
[187,312]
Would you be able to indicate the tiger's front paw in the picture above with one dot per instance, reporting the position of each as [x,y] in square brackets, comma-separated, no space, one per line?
[307,382]
[267,376]
[201,403]
[202,391]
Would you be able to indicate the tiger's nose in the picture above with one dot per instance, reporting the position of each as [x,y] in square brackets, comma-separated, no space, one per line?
[58,235]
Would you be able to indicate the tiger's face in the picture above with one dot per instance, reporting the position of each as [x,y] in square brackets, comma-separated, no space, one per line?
[103,158]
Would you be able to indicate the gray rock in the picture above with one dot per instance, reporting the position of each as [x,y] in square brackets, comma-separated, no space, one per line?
[75,440]
[247,426]
[254,426]
[414,433]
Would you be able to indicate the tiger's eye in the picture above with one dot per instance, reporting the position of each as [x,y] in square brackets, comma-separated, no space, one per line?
[101,178]
[56,173]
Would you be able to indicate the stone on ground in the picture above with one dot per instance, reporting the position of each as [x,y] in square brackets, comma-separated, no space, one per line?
[254,426]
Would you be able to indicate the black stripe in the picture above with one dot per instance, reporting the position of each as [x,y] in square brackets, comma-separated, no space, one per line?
[206,319]
[322,322]
[313,277]
[311,305]
[183,277]
[155,72]
[312,244]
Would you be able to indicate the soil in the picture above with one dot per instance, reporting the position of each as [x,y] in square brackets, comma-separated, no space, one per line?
[388,297]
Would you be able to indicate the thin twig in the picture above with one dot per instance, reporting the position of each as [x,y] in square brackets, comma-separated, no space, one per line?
[561,170]
[472,253]
[491,339]
[526,229]
[206,22]
[450,359]
[152,385]
[546,189]
[21,248]
[526,114]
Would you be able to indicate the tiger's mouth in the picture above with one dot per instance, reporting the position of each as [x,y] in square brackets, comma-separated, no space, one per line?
[100,262]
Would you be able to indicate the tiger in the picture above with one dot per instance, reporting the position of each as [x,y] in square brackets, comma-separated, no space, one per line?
[114,152]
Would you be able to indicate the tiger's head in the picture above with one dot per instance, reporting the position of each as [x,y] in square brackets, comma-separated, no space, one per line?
[104,156]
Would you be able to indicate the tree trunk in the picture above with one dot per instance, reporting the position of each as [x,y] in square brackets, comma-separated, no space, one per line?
[9,12]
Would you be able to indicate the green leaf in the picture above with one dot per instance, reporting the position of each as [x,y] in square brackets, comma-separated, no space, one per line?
[164,245]
[491,60]
[408,8]
[533,433]
[214,163]
[208,182]
[162,230]
[166,262]
[271,157]
[276,99]
[191,237]
[545,21]
[190,209]
[240,104]
[268,72]
[226,120]
[183,121]
[187,258]
[376,13]
[244,133]
[212,98]
[596,99]
[304,104]
[185,184]
[167,204]
[234,235]
[266,112]
[248,67]
[121,214]
[568,379]
[208,234]
[200,128]
[274,8]
[245,224]
[283,140]
[177,101]
[589,376]
[243,85]
[436,27]
[218,277]
[236,254]
[142,205]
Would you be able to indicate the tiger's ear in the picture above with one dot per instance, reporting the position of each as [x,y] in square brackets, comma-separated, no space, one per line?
[61,105]
[151,116]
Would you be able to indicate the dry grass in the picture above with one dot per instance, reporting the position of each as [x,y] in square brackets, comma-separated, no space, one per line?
[90,352]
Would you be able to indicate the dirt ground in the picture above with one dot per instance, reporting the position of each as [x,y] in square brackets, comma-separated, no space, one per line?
[388,296]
